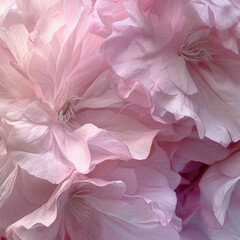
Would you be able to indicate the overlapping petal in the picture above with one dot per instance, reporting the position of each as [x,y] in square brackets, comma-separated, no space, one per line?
[180,79]
[109,203]
[119,119]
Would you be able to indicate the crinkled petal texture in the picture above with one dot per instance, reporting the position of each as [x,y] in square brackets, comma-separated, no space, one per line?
[46,151]
[93,208]
[108,12]
[220,198]
[192,148]
[116,118]
[39,141]
[131,132]
[184,66]
[212,12]
[152,179]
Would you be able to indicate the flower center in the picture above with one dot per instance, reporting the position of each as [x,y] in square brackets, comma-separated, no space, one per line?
[196,50]
[66,112]
[65,106]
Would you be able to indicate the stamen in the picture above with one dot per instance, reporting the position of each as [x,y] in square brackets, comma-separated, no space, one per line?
[195,50]
[67,110]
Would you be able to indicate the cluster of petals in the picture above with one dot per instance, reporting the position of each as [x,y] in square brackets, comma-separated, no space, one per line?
[119,119]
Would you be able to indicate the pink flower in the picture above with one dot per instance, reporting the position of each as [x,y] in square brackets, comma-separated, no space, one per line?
[121,204]
[119,119]
[182,63]
[32,122]
[64,108]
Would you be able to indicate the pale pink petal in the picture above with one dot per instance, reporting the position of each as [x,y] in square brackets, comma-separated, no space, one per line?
[51,166]
[32,145]
[16,38]
[130,231]
[5,5]
[137,137]
[50,68]
[108,207]
[146,178]
[184,66]
[16,17]
[99,94]
[13,80]
[35,7]
[47,25]
[182,79]
[8,175]
[104,147]
[28,193]
[73,145]
[192,148]
[227,8]
[133,95]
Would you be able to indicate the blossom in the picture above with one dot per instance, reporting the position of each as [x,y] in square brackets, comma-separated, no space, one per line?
[59,100]
[34,114]
[119,119]
[117,203]
[182,64]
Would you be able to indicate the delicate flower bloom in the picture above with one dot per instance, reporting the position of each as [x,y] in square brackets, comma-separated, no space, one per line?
[40,118]
[121,205]
[182,63]
[49,125]
[119,119]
